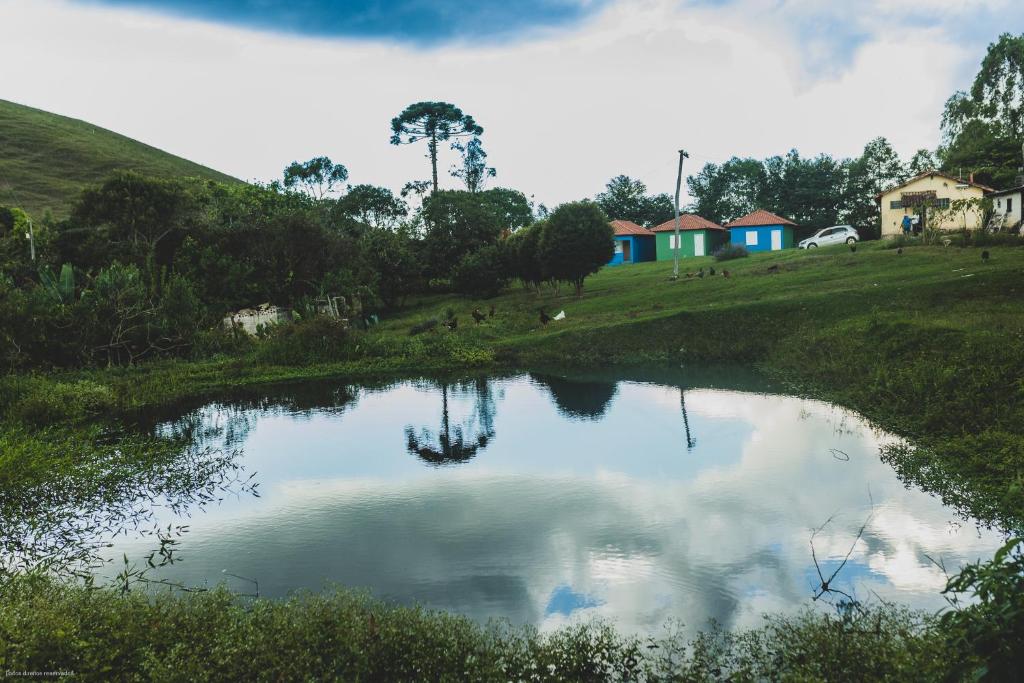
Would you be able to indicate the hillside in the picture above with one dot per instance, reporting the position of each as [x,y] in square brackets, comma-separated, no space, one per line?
[46,159]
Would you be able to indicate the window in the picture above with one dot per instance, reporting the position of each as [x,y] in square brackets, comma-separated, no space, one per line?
[942,203]
[1009,205]
[895,204]
[752,238]
[672,241]
[618,246]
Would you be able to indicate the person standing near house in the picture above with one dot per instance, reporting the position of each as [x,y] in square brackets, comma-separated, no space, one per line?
[907,224]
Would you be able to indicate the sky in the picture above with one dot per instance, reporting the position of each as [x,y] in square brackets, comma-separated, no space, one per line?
[570,92]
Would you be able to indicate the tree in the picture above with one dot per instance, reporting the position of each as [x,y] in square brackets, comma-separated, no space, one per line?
[523,248]
[482,273]
[577,242]
[627,199]
[434,122]
[722,193]
[132,218]
[922,162]
[375,207]
[983,129]
[474,170]
[319,176]
[511,206]
[878,168]
[391,256]
[458,223]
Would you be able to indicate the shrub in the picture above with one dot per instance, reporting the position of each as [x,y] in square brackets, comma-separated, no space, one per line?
[307,341]
[482,273]
[728,252]
[576,242]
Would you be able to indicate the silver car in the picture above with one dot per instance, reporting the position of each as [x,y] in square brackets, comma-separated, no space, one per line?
[837,234]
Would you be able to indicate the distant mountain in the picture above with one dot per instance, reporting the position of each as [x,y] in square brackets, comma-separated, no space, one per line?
[46,159]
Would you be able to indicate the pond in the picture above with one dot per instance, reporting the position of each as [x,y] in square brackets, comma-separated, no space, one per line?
[545,498]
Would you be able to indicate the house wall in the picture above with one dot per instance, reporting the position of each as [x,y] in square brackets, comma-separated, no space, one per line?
[644,248]
[620,242]
[1014,216]
[944,188]
[712,240]
[761,239]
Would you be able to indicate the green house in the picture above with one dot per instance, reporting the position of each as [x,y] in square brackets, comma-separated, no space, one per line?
[697,237]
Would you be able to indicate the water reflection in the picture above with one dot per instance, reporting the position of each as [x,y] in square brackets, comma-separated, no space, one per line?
[114,486]
[578,399]
[461,442]
[591,508]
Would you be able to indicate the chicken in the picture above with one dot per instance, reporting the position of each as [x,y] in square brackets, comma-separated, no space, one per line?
[544,317]
[478,316]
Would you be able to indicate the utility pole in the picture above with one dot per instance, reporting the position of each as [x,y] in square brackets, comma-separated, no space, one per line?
[679,182]
[31,240]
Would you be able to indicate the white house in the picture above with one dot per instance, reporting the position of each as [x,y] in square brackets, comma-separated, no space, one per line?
[1006,208]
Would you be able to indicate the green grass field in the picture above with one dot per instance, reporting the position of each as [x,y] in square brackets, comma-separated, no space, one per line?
[48,159]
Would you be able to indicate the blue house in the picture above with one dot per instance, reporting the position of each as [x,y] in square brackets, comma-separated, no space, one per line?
[762,230]
[633,243]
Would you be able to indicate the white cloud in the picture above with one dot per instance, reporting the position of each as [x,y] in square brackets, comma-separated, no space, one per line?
[563,111]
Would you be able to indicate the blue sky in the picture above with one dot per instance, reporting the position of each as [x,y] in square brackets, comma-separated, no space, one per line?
[570,93]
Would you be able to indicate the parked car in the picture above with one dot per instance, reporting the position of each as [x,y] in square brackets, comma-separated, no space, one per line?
[837,234]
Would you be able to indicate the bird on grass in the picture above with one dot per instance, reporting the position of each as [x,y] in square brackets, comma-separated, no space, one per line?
[544,317]
[725,273]
[700,273]
[451,323]
[984,255]
[899,251]
[478,316]
[689,275]
[853,247]
[490,314]
[711,270]
[773,269]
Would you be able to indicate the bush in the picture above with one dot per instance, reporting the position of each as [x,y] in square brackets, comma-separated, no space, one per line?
[728,252]
[307,341]
[576,242]
[341,635]
[482,273]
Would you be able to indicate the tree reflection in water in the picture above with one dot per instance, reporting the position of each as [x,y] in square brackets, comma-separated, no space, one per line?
[457,443]
[578,399]
[104,487]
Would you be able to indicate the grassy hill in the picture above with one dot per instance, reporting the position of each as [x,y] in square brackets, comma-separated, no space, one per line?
[46,159]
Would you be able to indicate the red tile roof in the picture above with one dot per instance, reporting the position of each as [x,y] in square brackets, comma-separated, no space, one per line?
[687,221]
[623,228]
[759,217]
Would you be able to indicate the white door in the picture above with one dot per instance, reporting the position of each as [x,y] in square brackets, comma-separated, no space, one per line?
[698,244]
[776,240]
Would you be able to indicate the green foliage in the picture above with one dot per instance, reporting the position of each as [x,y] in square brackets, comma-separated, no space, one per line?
[61,289]
[627,199]
[306,341]
[392,257]
[482,273]
[318,177]
[458,223]
[983,128]
[523,254]
[728,252]
[576,242]
[375,207]
[340,635]
[987,636]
